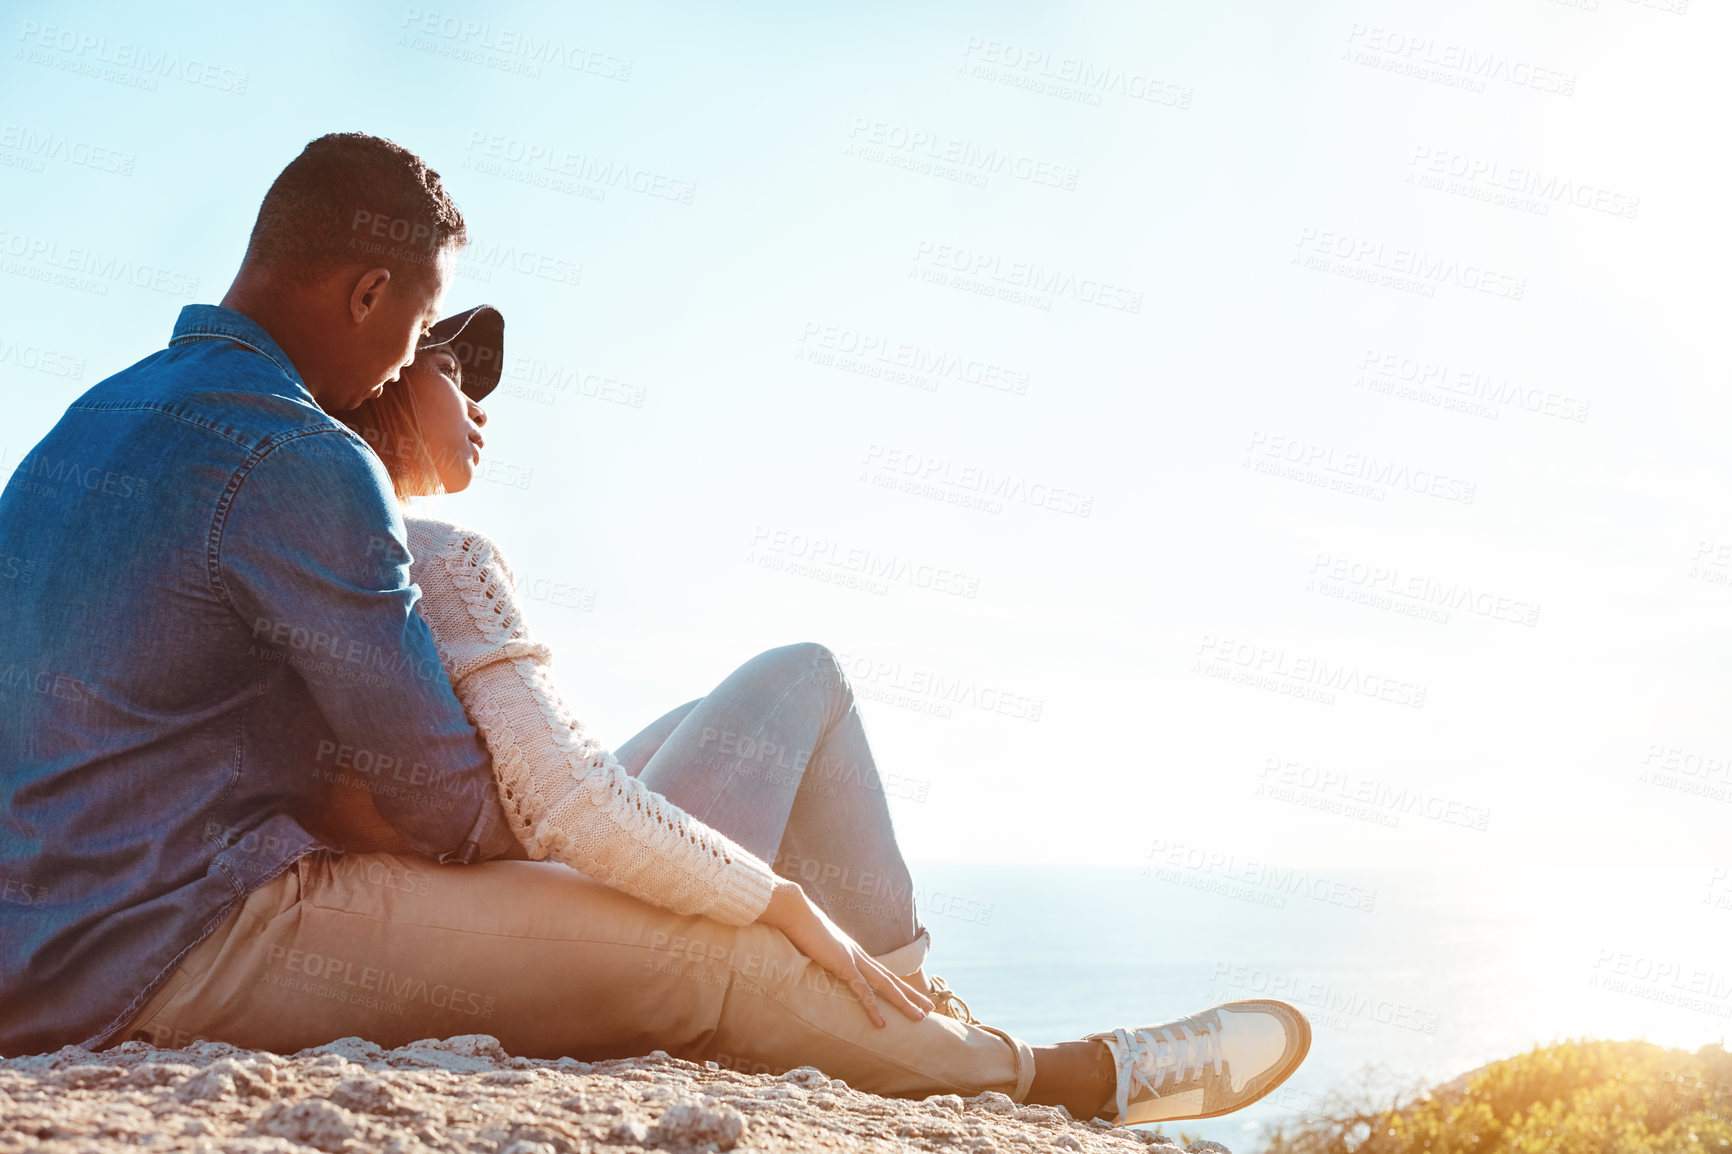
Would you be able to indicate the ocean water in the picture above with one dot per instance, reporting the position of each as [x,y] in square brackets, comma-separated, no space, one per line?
[1410,978]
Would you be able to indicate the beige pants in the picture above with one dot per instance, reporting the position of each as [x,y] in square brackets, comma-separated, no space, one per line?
[392,948]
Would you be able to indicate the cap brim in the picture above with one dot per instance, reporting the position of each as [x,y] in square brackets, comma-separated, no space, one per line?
[477,336]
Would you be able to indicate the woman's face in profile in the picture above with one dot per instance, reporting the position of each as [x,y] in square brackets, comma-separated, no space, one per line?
[450,423]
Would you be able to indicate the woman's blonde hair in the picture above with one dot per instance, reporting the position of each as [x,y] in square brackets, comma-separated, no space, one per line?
[390,424]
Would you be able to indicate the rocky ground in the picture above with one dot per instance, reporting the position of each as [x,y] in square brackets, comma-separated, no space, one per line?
[466,1094]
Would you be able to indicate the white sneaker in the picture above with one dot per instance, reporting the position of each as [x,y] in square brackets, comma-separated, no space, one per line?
[1211,1063]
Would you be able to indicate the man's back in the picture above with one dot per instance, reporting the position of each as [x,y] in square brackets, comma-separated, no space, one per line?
[210,600]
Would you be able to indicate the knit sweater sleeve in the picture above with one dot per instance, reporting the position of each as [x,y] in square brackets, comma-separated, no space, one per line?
[568,799]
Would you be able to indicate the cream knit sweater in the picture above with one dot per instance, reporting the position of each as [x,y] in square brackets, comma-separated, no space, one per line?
[568,799]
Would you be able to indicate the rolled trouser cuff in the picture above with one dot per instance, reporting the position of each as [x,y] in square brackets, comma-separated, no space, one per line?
[906,960]
[1024,1063]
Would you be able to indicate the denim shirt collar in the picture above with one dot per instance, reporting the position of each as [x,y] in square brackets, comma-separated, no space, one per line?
[213,322]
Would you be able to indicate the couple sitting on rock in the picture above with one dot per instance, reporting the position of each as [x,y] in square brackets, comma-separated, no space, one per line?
[282,764]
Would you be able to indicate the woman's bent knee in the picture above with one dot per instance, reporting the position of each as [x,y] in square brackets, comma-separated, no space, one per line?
[805,659]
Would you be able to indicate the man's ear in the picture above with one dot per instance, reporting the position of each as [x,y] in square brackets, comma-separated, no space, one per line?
[368,293]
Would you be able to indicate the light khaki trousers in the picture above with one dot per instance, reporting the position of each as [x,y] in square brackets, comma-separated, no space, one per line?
[393,948]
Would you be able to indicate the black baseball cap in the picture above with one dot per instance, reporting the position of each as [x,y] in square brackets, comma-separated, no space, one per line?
[477,336]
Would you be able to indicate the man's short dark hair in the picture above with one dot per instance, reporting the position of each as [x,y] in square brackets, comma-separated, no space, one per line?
[354,199]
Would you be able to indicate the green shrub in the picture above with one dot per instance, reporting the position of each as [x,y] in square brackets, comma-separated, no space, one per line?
[1575,1098]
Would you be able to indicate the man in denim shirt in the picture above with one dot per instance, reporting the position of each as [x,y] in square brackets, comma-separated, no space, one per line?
[210,611]
[218,587]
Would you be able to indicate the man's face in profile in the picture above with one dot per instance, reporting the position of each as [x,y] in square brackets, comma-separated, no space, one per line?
[408,304]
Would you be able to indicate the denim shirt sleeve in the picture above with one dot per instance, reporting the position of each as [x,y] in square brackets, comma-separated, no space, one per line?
[310,551]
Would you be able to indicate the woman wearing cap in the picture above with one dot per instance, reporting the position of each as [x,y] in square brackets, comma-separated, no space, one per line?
[772,766]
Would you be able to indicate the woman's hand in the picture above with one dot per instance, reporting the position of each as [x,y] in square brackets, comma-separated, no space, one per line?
[822,940]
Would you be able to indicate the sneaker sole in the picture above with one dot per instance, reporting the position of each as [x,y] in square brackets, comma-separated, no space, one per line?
[1281,1010]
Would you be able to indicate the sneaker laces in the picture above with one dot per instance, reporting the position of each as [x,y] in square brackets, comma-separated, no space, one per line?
[1148,1060]
[945,1001]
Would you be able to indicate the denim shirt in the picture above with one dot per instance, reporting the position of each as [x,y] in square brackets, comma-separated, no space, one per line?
[205,610]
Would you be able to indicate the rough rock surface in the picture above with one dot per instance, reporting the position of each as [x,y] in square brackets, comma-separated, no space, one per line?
[467,1094]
